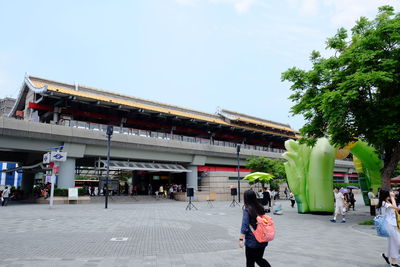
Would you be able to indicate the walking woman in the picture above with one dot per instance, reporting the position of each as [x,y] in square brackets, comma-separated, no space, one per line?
[254,250]
[292,199]
[387,207]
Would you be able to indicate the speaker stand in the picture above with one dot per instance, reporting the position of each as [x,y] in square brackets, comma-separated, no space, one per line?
[190,205]
[234,203]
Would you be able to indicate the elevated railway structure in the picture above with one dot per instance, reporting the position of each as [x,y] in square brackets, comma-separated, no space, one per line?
[201,146]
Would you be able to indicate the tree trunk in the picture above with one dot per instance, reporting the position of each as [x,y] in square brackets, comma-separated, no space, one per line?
[392,158]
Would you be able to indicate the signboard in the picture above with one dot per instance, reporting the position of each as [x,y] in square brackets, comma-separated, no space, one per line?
[72,193]
[46,158]
[58,156]
[113,185]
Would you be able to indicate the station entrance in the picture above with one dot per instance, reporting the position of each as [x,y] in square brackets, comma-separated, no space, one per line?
[144,178]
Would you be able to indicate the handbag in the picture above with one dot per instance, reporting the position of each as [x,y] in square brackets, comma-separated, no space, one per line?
[381,225]
[397,219]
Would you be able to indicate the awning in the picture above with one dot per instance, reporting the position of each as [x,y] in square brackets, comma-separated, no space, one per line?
[341,174]
[395,180]
[142,166]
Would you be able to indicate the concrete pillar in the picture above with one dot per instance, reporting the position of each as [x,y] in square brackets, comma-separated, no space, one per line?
[66,176]
[346,177]
[191,177]
[27,182]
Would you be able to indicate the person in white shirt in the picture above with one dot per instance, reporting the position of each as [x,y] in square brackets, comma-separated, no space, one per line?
[372,204]
[371,194]
[387,207]
[5,196]
[339,205]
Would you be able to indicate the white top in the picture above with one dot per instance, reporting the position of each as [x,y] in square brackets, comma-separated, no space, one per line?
[339,199]
[371,195]
[6,192]
[389,213]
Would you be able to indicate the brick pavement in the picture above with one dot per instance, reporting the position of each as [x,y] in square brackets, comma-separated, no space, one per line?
[162,233]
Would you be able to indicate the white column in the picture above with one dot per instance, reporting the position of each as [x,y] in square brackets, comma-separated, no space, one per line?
[66,176]
[346,177]
[3,166]
[191,177]
[16,177]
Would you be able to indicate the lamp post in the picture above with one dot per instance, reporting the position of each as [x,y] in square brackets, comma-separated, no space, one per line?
[238,169]
[110,129]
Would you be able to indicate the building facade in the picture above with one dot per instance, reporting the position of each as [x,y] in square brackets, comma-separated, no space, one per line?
[153,143]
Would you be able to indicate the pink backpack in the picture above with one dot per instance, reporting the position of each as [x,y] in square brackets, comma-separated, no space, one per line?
[265,231]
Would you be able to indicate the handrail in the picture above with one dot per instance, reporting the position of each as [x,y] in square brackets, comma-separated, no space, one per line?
[165,136]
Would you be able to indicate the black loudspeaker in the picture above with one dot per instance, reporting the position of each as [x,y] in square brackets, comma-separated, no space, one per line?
[110,130]
[233,191]
[190,192]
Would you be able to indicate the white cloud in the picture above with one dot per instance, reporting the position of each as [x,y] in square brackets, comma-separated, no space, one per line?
[305,7]
[243,6]
[345,12]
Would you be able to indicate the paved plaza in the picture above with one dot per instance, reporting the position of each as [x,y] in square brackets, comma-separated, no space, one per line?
[162,233]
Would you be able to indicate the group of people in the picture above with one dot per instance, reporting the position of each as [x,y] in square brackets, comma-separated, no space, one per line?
[169,191]
[343,203]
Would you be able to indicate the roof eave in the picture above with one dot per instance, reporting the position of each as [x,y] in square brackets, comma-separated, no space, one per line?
[26,85]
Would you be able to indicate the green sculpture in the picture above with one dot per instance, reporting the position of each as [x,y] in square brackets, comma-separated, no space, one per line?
[309,172]
[368,166]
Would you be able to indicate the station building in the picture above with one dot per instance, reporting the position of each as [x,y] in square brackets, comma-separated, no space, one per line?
[155,143]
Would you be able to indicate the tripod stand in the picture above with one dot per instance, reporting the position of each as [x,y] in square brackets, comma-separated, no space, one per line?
[234,202]
[190,205]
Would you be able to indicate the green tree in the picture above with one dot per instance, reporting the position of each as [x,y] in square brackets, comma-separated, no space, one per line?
[356,92]
[273,166]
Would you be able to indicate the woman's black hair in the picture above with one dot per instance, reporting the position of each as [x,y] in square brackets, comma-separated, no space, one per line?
[251,204]
[383,195]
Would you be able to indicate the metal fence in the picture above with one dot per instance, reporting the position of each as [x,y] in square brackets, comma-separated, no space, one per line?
[165,136]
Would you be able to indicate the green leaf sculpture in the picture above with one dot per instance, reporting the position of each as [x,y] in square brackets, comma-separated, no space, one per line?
[309,173]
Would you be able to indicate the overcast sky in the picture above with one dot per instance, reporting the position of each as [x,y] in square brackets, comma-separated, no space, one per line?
[199,54]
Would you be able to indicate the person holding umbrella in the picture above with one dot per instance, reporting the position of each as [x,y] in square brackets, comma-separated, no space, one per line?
[339,204]
[350,198]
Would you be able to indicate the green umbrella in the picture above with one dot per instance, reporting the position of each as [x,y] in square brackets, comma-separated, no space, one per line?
[260,177]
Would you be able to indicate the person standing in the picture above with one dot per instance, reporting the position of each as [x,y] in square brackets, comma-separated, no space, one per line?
[92,190]
[267,197]
[339,205]
[292,199]
[5,196]
[372,204]
[253,249]
[287,192]
[387,207]
[350,199]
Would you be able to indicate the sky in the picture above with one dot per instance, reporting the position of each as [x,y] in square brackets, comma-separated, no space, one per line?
[198,54]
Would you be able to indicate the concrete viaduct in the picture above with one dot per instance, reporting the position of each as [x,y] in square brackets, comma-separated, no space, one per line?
[25,142]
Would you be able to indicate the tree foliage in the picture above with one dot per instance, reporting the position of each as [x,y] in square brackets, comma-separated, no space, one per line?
[273,166]
[356,92]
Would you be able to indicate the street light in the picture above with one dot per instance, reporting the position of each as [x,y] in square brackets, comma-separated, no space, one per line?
[238,169]
[110,129]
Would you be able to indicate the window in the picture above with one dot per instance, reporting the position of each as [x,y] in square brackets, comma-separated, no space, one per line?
[235,178]
[338,179]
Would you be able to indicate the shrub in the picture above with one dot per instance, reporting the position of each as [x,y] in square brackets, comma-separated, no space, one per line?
[344,185]
[62,192]
[369,222]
